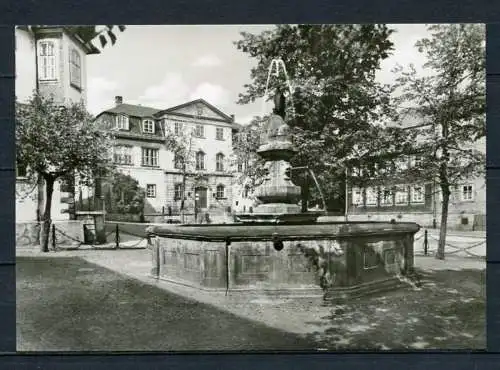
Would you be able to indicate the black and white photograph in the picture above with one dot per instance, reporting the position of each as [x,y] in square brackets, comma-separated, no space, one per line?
[290,187]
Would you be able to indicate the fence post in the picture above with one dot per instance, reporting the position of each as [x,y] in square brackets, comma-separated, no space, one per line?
[54,236]
[117,237]
[426,243]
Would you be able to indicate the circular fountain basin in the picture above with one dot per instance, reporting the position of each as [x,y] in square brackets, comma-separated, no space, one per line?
[266,231]
[333,261]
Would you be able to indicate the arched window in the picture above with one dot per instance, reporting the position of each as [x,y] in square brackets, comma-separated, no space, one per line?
[220,192]
[200,160]
[219,162]
[245,191]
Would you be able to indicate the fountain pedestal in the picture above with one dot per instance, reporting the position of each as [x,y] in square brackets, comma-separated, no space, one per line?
[278,195]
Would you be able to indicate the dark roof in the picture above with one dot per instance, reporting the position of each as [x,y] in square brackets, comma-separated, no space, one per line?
[132,110]
[168,110]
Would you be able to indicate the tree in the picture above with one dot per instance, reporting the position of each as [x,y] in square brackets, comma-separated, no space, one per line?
[54,141]
[126,194]
[335,100]
[181,143]
[450,99]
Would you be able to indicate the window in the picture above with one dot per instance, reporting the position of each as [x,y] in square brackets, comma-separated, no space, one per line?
[219,133]
[150,157]
[219,162]
[371,197]
[467,192]
[75,68]
[122,154]
[178,161]
[177,128]
[417,194]
[246,191]
[148,126]
[357,197]
[417,161]
[151,190]
[178,193]
[370,259]
[240,166]
[21,170]
[220,192]
[402,195]
[121,122]
[47,60]
[386,197]
[200,161]
[199,130]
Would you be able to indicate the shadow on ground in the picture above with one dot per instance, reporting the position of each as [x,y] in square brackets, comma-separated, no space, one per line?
[447,312]
[68,304]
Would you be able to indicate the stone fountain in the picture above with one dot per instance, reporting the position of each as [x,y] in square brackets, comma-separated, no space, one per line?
[277,194]
[279,251]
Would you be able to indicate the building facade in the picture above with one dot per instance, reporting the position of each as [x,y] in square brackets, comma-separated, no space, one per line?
[421,202]
[140,151]
[52,61]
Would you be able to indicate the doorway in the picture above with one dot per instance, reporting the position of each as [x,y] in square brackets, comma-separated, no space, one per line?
[201,197]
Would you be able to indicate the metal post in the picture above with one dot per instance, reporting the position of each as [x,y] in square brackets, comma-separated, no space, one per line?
[117,237]
[54,236]
[426,243]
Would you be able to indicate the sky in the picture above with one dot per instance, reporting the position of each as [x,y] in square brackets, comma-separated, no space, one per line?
[163,66]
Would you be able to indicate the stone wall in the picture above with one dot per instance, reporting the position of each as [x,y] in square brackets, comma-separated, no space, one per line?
[301,267]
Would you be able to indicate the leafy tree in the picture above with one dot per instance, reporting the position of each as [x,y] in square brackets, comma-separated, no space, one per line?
[335,100]
[54,141]
[183,146]
[126,194]
[450,99]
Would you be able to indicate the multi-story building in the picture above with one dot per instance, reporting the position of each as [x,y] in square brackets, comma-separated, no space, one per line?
[52,61]
[141,152]
[421,201]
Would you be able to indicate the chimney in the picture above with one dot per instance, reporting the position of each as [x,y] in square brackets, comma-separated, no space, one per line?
[232,117]
[118,100]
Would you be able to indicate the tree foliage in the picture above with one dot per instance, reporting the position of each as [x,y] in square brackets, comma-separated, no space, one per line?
[450,100]
[54,141]
[336,99]
[124,195]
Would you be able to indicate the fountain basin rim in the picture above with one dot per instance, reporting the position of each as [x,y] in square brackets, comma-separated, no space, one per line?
[271,231]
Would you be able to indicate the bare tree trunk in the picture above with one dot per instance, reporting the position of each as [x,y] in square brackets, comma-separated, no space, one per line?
[40,198]
[49,189]
[445,189]
[442,229]
[183,197]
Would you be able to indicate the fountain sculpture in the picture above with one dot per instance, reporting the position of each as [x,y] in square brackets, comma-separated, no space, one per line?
[279,251]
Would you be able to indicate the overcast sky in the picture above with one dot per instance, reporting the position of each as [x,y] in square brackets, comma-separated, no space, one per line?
[162,66]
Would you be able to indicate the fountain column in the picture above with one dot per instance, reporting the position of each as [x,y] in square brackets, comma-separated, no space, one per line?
[278,195]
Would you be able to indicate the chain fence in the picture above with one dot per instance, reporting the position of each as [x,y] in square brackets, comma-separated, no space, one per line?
[455,249]
[115,244]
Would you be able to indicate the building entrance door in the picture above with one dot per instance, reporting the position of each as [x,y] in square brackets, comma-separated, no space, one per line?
[201,197]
